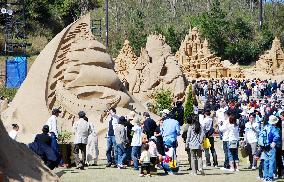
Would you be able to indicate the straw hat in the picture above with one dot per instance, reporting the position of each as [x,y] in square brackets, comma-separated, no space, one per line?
[273,119]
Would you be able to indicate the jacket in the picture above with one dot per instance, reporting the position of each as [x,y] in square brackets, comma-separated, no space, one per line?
[120,134]
[193,140]
[82,130]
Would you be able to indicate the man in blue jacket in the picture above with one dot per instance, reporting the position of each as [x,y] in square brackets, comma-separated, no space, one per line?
[170,129]
[268,144]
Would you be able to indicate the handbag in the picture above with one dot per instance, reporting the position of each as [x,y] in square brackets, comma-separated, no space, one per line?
[233,144]
[206,143]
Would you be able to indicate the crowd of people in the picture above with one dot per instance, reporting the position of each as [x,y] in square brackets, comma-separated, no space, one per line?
[243,114]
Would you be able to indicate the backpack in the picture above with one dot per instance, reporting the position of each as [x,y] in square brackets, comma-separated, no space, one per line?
[263,138]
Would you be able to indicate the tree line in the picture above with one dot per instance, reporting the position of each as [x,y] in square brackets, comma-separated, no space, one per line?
[230,26]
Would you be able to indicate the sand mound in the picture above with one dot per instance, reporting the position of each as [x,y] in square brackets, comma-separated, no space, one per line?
[17,163]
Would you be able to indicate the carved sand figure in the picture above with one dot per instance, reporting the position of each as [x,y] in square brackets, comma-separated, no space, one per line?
[198,61]
[156,68]
[73,72]
[272,61]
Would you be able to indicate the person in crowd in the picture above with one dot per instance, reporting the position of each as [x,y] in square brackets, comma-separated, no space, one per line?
[168,161]
[82,130]
[178,113]
[14,132]
[194,140]
[189,122]
[111,143]
[268,138]
[92,148]
[279,154]
[136,142]
[128,125]
[44,137]
[42,147]
[250,138]
[207,125]
[149,125]
[170,129]
[52,121]
[225,138]
[153,152]
[233,132]
[145,160]
[121,141]
[158,135]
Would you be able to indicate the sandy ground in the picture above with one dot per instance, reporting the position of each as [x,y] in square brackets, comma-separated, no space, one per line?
[101,173]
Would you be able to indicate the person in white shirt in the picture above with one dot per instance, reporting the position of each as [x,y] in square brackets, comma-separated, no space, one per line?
[92,149]
[207,125]
[233,133]
[136,142]
[52,121]
[14,132]
[225,138]
[251,135]
[82,130]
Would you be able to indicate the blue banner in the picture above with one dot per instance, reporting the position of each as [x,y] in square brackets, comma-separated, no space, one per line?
[16,71]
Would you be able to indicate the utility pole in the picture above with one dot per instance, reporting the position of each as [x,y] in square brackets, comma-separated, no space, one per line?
[260,18]
[106,3]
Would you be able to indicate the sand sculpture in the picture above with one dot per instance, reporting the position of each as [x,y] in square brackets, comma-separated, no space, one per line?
[73,72]
[272,61]
[198,61]
[17,163]
[156,68]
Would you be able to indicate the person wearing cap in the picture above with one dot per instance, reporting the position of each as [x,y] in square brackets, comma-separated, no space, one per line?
[136,142]
[149,125]
[170,129]
[82,130]
[52,121]
[270,137]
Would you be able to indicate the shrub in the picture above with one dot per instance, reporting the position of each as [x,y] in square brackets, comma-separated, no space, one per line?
[64,137]
[163,100]
[8,93]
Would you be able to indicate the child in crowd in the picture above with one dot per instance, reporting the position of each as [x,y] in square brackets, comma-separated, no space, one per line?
[145,160]
[169,161]
[153,152]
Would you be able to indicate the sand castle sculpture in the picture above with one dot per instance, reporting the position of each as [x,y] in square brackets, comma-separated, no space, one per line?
[198,61]
[156,68]
[18,163]
[73,72]
[272,61]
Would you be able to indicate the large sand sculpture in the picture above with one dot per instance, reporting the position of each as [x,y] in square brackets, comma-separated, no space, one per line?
[75,73]
[272,61]
[17,163]
[198,61]
[156,68]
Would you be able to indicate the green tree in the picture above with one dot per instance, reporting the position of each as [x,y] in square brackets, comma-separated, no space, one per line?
[188,108]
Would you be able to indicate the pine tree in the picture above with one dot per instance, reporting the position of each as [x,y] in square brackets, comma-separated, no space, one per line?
[189,109]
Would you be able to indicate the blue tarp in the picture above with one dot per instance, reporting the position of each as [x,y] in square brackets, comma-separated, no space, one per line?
[16,71]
